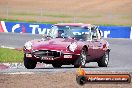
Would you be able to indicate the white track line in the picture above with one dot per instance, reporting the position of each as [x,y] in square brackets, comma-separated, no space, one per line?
[7,47]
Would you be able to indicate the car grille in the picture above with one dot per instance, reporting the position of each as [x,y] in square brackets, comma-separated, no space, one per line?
[47,53]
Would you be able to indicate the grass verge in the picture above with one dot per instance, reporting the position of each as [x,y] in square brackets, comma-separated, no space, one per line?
[10,55]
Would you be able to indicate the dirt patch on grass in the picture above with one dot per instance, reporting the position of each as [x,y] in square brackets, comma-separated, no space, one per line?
[116,12]
[50,80]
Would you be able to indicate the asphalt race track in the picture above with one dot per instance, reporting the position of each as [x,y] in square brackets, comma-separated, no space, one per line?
[120,55]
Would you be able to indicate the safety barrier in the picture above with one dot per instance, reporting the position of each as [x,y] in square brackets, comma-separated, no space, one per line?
[36,28]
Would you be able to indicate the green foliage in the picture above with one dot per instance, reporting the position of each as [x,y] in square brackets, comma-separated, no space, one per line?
[10,55]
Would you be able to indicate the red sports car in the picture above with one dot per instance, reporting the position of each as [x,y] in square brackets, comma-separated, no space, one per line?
[68,43]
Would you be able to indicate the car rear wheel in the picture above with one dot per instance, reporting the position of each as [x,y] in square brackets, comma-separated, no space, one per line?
[81,61]
[56,65]
[29,64]
[103,62]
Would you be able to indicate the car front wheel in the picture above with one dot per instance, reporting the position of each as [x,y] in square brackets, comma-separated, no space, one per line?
[81,61]
[103,62]
[29,64]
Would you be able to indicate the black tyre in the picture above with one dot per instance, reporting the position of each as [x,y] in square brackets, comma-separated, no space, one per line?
[56,65]
[81,80]
[103,62]
[81,61]
[29,64]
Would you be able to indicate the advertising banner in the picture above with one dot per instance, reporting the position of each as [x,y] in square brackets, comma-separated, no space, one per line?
[36,28]
[115,31]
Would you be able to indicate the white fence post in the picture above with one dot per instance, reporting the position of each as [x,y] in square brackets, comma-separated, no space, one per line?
[7,12]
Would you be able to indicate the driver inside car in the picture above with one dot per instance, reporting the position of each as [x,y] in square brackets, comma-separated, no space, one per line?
[94,32]
[60,32]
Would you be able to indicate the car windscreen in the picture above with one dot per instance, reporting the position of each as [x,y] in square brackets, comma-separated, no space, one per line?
[77,32]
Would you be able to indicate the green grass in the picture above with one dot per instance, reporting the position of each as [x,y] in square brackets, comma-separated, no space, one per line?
[10,55]
[16,20]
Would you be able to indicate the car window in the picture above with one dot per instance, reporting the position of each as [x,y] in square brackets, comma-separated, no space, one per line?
[77,32]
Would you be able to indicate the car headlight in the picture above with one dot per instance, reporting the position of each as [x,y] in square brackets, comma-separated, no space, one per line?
[72,47]
[28,45]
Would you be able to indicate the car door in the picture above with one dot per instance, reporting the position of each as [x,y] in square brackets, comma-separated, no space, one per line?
[97,43]
[97,47]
